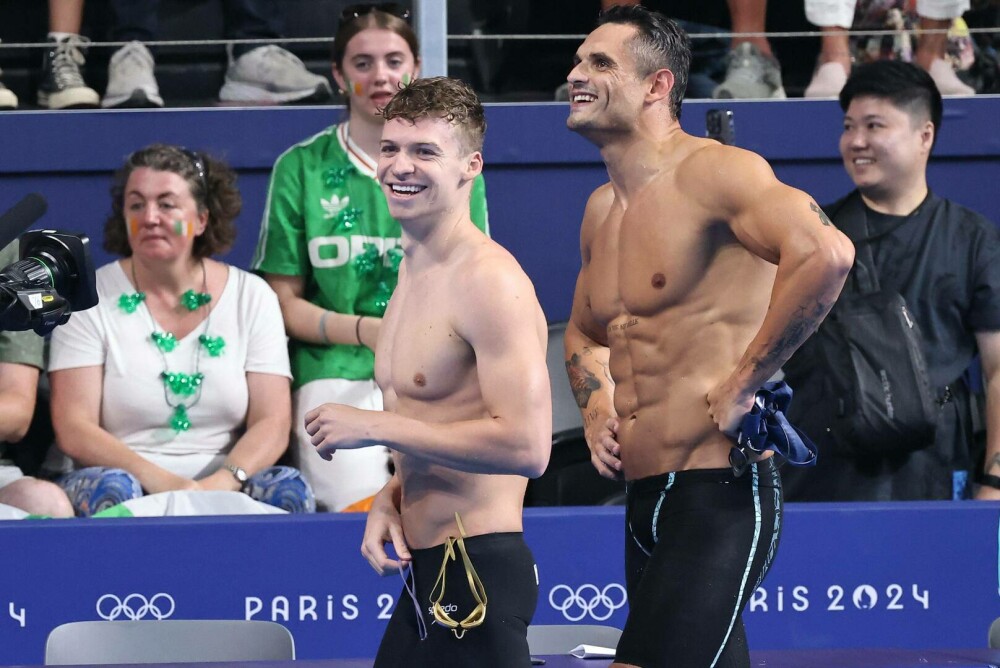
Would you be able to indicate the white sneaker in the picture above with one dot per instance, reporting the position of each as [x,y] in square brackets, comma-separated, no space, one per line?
[131,82]
[271,74]
[947,81]
[7,98]
[750,76]
[827,81]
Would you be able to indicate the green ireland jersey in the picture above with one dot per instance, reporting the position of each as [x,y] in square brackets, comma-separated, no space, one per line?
[326,220]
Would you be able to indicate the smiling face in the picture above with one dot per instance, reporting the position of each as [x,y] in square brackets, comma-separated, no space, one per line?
[425,169]
[884,148]
[161,215]
[377,62]
[606,91]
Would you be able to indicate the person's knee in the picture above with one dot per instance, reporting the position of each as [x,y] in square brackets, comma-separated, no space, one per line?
[38,497]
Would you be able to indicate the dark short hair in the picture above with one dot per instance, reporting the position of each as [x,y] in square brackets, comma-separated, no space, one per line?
[212,184]
[659,43]
[906,86]
[376,18]
[442,97]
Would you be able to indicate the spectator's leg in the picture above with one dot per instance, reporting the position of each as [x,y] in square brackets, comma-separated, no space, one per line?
[131,78]
[930,55]
[835,18]
[283,487]
[134,20]
[265,74]
[62,85]
[98,488]
[251,19]
[38,497]
[753,71]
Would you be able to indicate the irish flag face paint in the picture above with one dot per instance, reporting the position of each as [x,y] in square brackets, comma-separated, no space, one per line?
[407,79]
[183,228]
[133,227]
[356,87]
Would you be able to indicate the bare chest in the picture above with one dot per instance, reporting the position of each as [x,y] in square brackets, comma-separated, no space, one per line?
[653,256]
[420,355]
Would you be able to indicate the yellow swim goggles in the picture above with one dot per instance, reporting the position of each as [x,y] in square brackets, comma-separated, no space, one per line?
[478,615]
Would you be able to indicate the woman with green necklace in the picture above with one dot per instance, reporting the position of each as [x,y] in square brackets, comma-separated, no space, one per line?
[179,378]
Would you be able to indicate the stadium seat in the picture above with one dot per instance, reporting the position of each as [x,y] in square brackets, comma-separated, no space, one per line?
[168,640]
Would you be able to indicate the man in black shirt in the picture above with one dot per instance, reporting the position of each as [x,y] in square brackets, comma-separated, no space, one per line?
[945,262]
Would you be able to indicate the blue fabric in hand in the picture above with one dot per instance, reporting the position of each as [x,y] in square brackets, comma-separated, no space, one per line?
[765,427]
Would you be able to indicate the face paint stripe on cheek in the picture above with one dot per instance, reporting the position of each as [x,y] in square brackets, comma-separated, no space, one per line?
[406,79]
[133,227]
[357,88]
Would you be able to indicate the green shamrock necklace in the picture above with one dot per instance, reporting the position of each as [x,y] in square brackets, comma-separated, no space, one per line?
[181,391]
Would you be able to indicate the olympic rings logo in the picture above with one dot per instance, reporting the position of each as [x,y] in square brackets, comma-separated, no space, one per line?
[135,606]
[587,599]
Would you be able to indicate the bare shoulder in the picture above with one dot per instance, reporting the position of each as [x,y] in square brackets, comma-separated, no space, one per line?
[726,177]
[490,284]
[598,205]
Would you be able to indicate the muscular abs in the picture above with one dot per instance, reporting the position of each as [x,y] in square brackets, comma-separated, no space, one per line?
[679,299]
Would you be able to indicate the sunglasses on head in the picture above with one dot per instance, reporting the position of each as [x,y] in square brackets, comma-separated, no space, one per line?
[199,166]
[352,12]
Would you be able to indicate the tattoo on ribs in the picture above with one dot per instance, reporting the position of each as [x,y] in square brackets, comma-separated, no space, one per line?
[823,218]
[582,381]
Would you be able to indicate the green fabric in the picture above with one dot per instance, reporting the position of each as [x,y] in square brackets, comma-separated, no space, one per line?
[329,223]
[121,510]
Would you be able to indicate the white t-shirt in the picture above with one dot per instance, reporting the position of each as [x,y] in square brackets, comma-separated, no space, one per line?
[133,403]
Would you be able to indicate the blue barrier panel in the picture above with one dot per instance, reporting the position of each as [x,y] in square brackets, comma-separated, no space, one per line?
[916,575]
[538,173]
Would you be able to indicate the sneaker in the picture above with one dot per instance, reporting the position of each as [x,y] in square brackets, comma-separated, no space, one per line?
[751,75]
[947,81]
[827,81]
[272,74]
[62,84]
[7,98]
[131,83]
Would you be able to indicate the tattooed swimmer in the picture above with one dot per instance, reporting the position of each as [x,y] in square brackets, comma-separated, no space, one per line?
[701,274]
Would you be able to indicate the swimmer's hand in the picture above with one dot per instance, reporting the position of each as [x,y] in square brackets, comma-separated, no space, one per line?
[727,407]
[605,452]
[335,427]
[384,525]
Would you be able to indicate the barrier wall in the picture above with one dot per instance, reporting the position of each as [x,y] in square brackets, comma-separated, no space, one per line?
[538,173]
[912,575]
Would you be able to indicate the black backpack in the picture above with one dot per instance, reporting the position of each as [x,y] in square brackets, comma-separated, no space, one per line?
[861,382]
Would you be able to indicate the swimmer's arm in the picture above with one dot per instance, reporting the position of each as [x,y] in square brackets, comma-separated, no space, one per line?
[499,317]
[784,226]
[588,361]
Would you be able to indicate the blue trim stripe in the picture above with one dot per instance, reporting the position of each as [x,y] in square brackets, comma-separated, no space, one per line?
[659,503]
[746,571]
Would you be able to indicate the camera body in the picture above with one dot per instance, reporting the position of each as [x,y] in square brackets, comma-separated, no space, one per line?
[54,277]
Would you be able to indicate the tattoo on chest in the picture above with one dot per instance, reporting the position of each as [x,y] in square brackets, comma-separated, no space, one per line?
[581,380]
[631,322]
[823,218]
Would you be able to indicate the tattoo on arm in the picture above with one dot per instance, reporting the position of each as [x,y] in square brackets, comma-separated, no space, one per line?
[800,327]
[823,218]
[582,381]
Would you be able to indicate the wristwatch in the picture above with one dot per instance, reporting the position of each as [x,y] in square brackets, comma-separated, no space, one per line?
[238,472]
